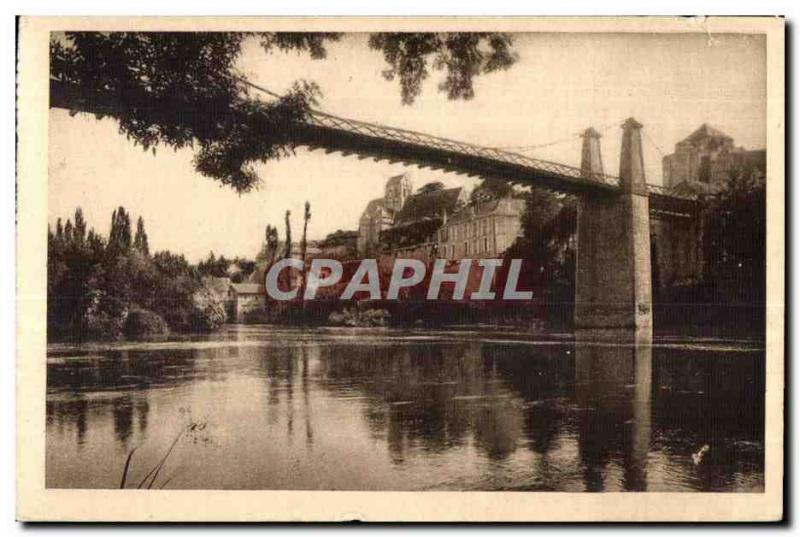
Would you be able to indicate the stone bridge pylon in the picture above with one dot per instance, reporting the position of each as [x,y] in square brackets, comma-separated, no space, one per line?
[613,283]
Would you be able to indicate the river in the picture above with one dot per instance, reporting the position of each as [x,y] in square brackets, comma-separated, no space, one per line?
[259,407]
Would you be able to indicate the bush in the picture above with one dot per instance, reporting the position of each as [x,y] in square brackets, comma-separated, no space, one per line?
[356,316]
[103,317]
[145,323]
[208,311]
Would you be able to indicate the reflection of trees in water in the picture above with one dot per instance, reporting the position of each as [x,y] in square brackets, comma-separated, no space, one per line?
[703,398]
[127,377]
[542,376]
[131,370]
[125,409]
[437,396]
[285,369]
[496,397]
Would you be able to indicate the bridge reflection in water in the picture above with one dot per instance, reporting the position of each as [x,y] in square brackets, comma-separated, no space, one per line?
[412,410]
[613,389]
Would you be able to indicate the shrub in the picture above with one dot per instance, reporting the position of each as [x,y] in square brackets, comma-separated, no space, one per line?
[208,311]
[145,323]
[103,317]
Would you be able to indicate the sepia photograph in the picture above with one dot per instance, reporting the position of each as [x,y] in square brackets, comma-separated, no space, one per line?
[410,256]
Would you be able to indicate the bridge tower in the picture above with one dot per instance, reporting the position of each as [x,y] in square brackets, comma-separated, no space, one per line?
[613,281]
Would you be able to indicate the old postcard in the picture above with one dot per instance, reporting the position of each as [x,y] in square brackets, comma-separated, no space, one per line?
[430,269]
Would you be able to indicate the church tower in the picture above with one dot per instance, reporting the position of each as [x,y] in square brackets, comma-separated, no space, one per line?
[398,188]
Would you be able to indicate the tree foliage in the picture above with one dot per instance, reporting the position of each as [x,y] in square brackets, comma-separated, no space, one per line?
[735,224]
[103,289]
[491,188]
[462,56]
[140,243]
[182,89]
[546,246]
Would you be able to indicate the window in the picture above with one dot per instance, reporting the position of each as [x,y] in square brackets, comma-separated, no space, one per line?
[486,244]
[466,248]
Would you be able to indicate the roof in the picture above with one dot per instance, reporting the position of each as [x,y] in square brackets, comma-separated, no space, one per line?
[373,205]
[706,131]
[248,288]
[424,205]
[396,178]
[500,206]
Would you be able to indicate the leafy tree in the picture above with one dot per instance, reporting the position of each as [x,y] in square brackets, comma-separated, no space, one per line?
[140,243]
[735,240]
[463,55]
[178,88]
[546,246]
[68,233]
[213,266]
[270,250]
[99,289]
[119,238]
[79,232]
[491,188]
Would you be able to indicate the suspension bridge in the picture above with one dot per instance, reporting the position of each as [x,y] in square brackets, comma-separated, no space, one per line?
[614,276]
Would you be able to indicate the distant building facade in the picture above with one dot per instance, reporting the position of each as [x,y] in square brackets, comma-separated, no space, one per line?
[404,222]
[700,165]
[707,157]
[437,222]
[380,213]
[481,230]
[415,230]
[244,298]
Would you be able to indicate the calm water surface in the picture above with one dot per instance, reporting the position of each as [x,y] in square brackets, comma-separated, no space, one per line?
[266,408]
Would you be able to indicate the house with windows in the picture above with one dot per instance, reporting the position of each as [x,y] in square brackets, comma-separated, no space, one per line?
[484,229]
[403,223]
[244,298]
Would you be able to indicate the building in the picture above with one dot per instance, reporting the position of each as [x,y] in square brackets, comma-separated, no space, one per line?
[244,298]
[414,233]
[701,165]
[380,213]
[705,158]
[404,222]
[481,230]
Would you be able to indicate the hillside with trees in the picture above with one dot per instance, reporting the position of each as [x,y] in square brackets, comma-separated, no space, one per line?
[108,288]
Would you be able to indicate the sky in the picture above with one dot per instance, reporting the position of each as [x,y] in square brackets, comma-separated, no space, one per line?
[562,84]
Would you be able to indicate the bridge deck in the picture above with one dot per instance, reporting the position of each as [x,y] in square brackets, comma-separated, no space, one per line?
[348,136]
[370,140]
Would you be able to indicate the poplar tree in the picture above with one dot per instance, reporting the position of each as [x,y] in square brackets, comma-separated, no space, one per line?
[140,243]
